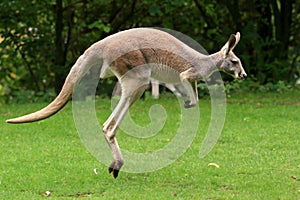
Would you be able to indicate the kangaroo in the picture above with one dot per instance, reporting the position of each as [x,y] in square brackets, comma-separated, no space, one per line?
[147,54]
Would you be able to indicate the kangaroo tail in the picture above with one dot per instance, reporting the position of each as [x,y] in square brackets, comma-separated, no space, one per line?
[82,65]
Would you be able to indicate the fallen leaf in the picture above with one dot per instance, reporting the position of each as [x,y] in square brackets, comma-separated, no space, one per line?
[95,171]
[46,194]
[213,165]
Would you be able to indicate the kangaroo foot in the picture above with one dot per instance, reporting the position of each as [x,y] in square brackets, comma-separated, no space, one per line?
[115,167]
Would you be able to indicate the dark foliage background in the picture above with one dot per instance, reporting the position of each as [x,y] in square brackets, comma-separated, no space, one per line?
[40,40]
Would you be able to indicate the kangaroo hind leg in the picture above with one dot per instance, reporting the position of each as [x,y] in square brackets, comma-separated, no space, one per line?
[132,89]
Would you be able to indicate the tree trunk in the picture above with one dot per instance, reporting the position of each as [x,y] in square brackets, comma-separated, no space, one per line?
[59,61]
[283,21]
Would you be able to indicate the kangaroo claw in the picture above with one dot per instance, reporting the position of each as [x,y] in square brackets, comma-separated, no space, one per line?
[188,104]
[115,172]
[115,167]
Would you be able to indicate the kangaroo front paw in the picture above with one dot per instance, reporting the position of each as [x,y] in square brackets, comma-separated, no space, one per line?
[188,104]
[115,167]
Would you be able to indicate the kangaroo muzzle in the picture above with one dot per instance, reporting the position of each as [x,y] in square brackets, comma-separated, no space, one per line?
[242,75]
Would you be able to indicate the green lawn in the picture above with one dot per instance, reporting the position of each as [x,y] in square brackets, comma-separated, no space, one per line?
[258,154]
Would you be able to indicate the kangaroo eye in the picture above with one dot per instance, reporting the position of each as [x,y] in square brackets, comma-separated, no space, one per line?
[234,61]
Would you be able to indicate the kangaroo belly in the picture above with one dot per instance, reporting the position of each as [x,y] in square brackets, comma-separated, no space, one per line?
[164,73]
[164,65]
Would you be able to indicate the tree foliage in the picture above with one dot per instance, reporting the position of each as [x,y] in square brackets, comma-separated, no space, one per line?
[40,40]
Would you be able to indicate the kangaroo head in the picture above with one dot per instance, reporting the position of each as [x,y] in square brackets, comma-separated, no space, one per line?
[230,63]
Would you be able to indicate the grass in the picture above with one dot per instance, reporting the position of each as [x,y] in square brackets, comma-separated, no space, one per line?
[258,154]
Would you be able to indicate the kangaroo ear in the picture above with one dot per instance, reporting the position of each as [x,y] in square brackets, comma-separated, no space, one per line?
[237,37]
[231,43]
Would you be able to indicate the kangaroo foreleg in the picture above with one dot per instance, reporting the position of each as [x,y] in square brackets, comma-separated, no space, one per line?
[186,77]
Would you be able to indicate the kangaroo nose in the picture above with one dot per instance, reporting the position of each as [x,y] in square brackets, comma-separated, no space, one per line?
[243,75]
